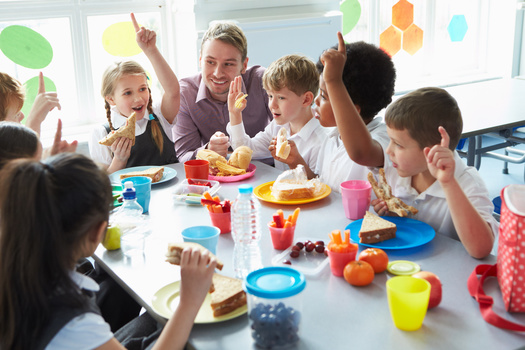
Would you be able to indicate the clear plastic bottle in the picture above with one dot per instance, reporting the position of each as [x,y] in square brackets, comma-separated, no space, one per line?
[246,232]
[129,218]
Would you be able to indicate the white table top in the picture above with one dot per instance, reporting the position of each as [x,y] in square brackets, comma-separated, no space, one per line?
[335,314]
[490,105]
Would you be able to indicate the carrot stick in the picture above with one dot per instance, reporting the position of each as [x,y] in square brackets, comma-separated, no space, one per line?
[295,215]
[337,236]
[273,224]
[217,208]
[217,199]
[207,195]
[287,224]
[347,236]
[290,218]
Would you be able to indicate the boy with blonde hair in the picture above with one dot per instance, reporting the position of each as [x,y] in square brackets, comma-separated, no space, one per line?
[291,83]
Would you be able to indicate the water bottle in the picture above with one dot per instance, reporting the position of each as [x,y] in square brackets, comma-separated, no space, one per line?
[246,232]
[129,218]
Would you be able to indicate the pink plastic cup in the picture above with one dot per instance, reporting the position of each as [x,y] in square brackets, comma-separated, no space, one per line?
[282,238]
[338,261]
[197,169]
[222,221]
[356,198]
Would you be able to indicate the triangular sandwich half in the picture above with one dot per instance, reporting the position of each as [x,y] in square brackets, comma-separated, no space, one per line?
[376,229]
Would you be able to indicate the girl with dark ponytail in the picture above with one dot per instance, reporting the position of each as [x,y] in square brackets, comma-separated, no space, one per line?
[52,214]
[125,90]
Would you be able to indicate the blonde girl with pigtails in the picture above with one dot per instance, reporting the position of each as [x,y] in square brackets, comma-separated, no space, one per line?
[125,91]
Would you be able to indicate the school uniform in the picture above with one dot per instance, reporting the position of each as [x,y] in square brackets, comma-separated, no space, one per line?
[432,205]
[333,163]
[77,328]
[145,151]
[308,140]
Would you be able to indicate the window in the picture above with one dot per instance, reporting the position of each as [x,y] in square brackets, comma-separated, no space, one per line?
[72,42]
[436,42]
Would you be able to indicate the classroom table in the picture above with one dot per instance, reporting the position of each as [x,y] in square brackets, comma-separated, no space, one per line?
[335,314]
[489,107]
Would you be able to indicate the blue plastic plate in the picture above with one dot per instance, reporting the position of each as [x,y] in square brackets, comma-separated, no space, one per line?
[410,233]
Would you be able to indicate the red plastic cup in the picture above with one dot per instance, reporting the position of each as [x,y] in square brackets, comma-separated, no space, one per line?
[222,221]
[338,261]
[282,238]
[197,169]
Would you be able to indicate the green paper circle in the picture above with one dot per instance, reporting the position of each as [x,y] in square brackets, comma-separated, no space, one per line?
[31,90]
[351,10]
[25,47]
[119,40]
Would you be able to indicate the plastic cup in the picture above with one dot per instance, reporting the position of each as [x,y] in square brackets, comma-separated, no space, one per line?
[197,169]
[142,185]
[222,220]
[356,198]
[206,236]
[282,238]
[408,301]
[338,261]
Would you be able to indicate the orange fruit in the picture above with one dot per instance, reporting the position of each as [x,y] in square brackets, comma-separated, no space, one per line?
[375,257]
[358,273]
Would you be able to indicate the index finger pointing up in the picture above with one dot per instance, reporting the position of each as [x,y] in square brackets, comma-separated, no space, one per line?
[445,139]
[342,47]
[41,84]
[135,23]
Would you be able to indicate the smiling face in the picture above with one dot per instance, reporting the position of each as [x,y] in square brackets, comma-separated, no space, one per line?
[405,153]
[130,95]
[220,63]
[323,109]
[285,105]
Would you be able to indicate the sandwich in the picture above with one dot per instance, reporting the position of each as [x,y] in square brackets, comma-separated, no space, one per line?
[175,251]
[282,148]
[293,184]
[226,169]
[212,157]
[155,174]
[376,229]
[127,131]
[241,157]
[227,296]
[383,191]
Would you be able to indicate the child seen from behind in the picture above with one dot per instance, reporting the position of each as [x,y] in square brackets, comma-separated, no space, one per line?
[59,210]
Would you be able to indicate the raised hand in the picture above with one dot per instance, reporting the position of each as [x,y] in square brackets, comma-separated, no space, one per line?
[44,103]
[440,159]
[146,39]
[62,146]
[334,61]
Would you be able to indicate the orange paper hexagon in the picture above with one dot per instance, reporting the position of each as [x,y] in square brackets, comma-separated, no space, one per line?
[402,14]
[412,39]
[390,40]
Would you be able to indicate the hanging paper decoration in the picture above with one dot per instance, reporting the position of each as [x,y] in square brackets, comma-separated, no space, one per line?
[351,10]
[119,40]
[457,28]
[25,47]
[403,32]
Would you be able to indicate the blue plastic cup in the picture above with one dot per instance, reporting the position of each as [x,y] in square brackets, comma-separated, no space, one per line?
[206,236]
[142,185]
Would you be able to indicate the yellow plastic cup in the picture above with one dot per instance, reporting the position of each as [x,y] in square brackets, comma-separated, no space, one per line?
[408,301]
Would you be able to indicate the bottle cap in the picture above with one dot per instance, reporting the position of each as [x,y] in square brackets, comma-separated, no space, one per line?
[245,189]
[403,267]
[129,191]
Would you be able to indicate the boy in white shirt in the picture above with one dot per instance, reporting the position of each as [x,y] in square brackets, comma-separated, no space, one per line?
[291,83]
[357,81]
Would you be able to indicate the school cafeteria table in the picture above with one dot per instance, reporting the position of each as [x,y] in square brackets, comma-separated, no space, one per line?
[335,314]
[489,107]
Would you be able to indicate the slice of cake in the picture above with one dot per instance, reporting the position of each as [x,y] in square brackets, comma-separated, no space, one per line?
[375,229]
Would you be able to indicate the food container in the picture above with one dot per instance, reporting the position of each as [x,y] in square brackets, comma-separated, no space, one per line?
[274,305]
[190,191]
